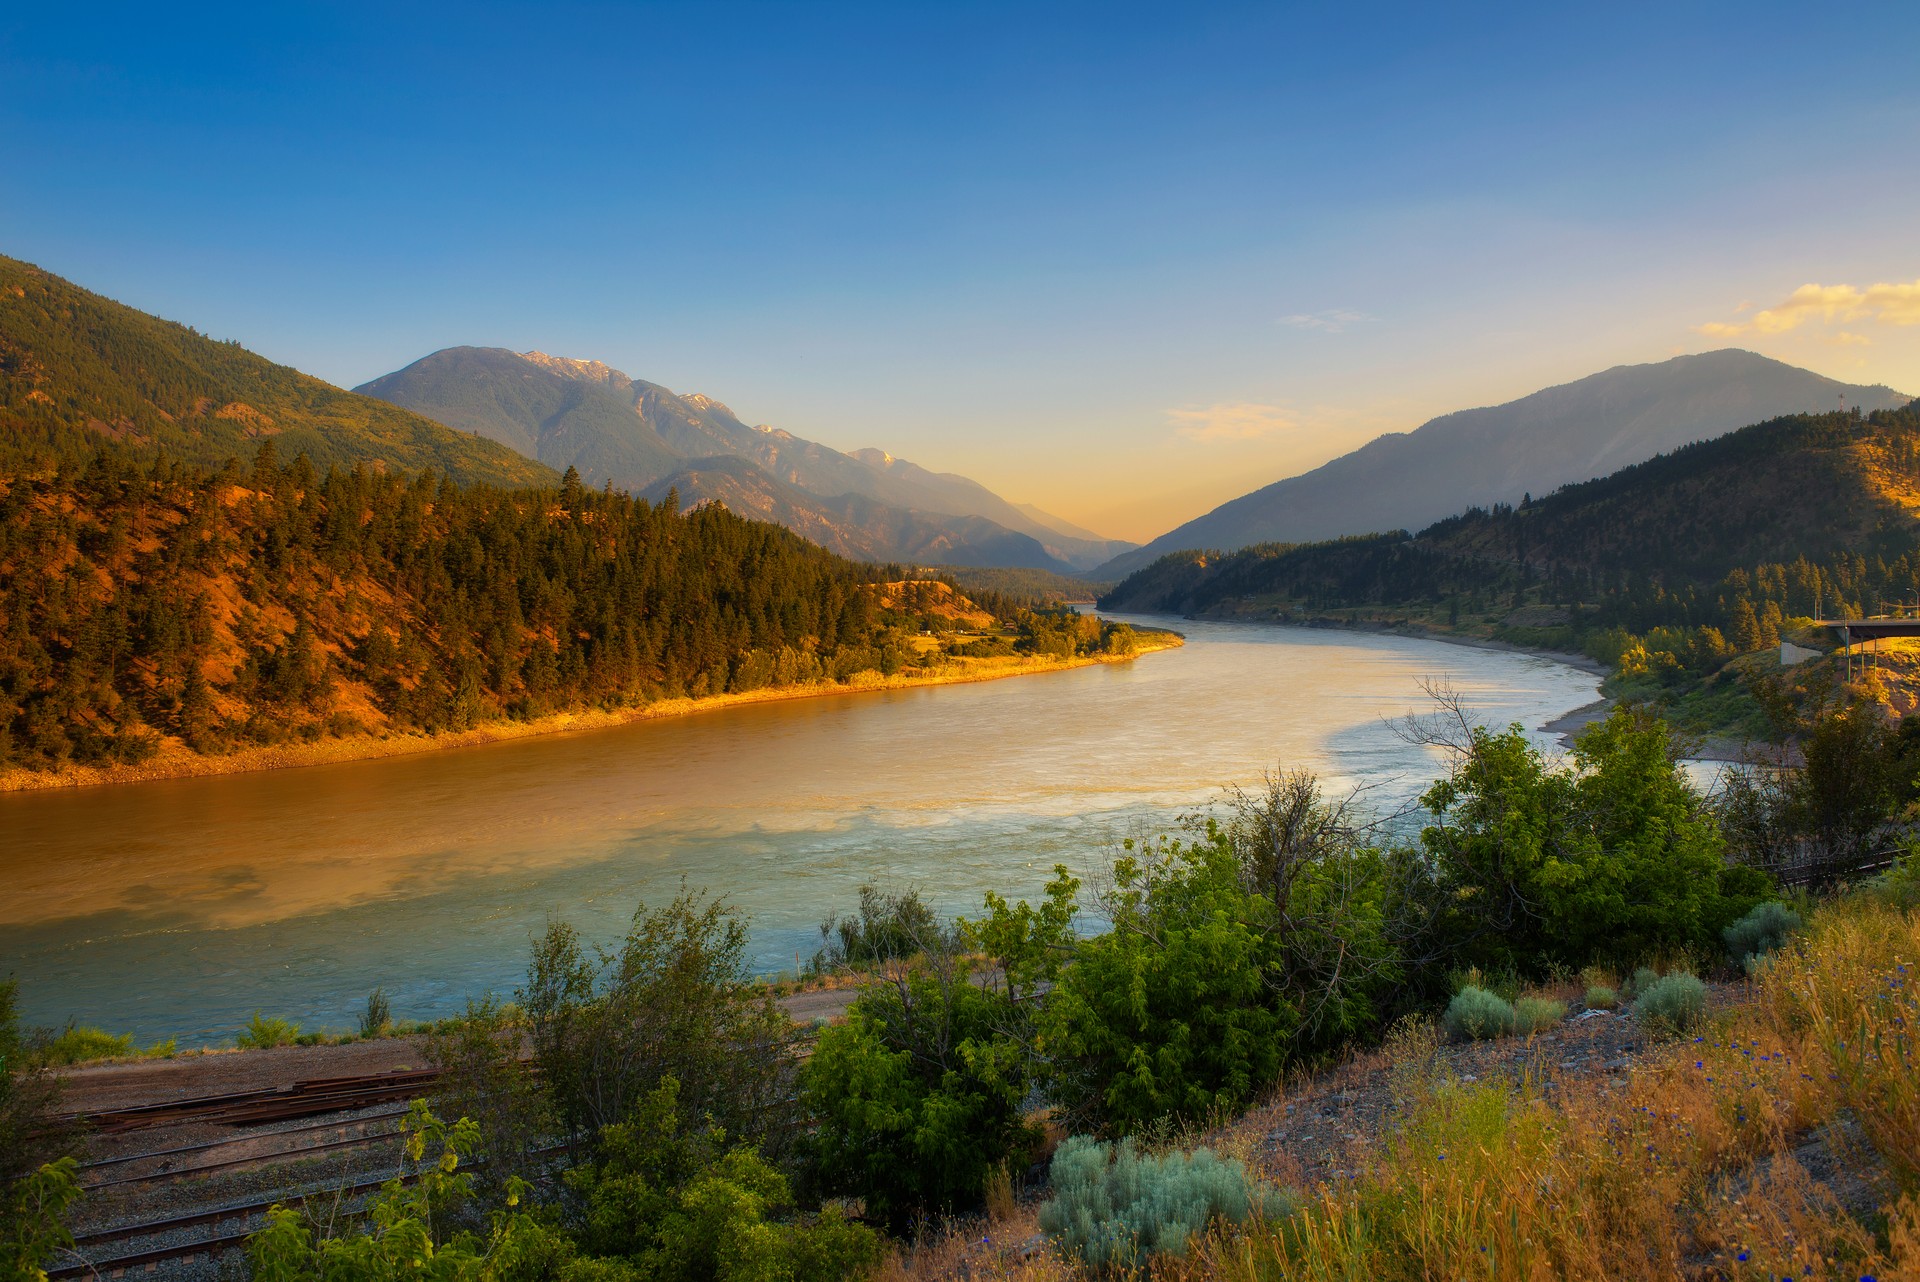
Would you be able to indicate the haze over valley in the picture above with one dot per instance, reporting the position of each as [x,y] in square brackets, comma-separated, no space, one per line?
[643,438]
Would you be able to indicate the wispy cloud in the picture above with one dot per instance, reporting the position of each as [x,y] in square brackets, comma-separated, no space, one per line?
[1241,421]
[1884,304]
[1336,321]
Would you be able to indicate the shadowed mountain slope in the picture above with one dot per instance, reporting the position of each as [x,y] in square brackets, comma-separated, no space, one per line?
[1566,434]
[853,524]
[1808,512]
[636,434]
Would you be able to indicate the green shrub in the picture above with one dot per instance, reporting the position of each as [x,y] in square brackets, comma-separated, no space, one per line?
[1615,859]
[408,1222]
[1536,1014]
[77,1045]
[1900,884]
[483,1077]
[81,1045]
[1475,1014]
[918,1095]
[1506,985]
[264,1034]
[1602,997]
[1170,1013]
[1673,1004]
[886,928]
[677,998]
[684,1205]
[1114,1206]
[1763,930]
[656,1201]
[378,1016]
[1643,978]
[33,1218]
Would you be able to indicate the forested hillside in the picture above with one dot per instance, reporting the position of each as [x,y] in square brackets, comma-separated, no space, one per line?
[1679,562]
[145,604]
[77,369]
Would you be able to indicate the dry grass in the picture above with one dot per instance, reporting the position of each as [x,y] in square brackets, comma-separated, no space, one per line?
[1849,993]
[1688,1170]
[1697,1164]
[1009,1250]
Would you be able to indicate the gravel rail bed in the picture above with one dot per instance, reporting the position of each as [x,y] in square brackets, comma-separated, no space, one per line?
[320,1176]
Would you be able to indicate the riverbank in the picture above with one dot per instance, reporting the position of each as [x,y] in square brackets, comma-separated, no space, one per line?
[1568,725]
[109,1084]
[176,761]
[1572,659]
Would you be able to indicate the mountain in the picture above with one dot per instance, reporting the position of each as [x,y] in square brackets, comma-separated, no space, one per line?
[911,485]
[636,434]
[76,368]
[1802,515]
[852,525]
[1405,480]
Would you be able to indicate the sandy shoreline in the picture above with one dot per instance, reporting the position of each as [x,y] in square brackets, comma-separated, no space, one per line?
[1569,724]
[183,764]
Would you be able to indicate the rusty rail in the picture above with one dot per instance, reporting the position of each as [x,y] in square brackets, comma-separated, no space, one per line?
[272,1104]
[123,1159]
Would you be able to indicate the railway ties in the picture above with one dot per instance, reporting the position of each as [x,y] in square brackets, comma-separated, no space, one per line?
[152,1155]
[251,1216]
[88,1266]
[157,1240]
[276,1104]
[249,1160]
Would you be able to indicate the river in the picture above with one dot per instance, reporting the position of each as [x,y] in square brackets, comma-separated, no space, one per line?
[180,907]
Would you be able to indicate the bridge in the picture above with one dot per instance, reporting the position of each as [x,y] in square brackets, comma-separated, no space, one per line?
[1863,632]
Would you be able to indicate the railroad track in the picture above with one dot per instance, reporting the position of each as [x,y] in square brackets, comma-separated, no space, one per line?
[273,1104]
[89,1264]
[232,1223]
[246,1217]
[299,1151]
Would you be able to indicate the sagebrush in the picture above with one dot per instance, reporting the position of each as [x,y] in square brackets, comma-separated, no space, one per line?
[1115,1206]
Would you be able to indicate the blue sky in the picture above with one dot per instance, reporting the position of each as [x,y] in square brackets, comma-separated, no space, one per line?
[1122,261]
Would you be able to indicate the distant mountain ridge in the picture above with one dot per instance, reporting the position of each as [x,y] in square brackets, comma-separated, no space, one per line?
[852,525]
[1559,436]
[641,437]
[1676,540]
[76,368]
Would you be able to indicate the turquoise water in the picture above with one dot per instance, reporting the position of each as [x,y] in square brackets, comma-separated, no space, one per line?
[182,906]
